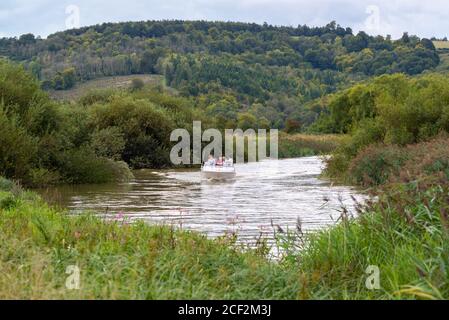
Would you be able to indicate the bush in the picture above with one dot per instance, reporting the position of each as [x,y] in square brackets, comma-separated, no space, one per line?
[8,201]
[17,148]
[96,96]
[382,164]
[108,143]
[18,89]
[428,161]
[5,184]
[83,166]
[136,84]
[375,165]
[393,110]
[41,177]
[146,129]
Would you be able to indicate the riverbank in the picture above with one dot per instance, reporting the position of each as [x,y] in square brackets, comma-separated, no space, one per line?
[263,193]
[404,235]
[118,260]
[304,145]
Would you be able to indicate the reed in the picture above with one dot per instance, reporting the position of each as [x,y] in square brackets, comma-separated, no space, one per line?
[404,233]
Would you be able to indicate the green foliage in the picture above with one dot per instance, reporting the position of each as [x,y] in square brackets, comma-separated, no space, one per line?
[136,84]
[5,184]
[395,110]
[17,148]
[253,63]
[93,96]
[120,260]
[376,165]
[403,233]
[83,166]
[300,145]
[108,143]
[146,129]
[43,143]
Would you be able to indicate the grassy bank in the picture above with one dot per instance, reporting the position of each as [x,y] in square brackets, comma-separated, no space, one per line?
[397,146]
[302,145]
[404,234]
[122,261]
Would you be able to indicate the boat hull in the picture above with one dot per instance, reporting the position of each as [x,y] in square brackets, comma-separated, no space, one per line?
[218,174]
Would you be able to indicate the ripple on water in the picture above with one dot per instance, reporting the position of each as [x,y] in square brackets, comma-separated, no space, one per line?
[278,191]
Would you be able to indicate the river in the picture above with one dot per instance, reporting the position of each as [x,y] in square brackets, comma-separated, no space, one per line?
[269,192]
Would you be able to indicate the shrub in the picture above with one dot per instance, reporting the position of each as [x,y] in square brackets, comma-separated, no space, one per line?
[17,148]
[394,110]
[136,84]
[5,184]
[381,164]
[428,160]
[376,164]
[146,129]
[108,143]
[7,201]
[83,166]
[96,96]
[18,88]
[41,177]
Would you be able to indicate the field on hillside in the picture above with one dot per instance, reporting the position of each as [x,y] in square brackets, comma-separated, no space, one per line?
[441,44]
[117,82]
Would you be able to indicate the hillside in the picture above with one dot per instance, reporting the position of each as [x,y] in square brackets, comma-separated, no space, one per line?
[269,72]
[443,51]
[116,82]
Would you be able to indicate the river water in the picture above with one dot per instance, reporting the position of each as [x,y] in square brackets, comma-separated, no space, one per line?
[271,192]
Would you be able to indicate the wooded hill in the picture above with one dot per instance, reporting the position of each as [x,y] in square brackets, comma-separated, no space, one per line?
[268,71]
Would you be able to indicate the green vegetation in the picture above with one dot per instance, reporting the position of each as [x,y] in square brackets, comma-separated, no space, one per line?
[397,142]
[267,71]
[105,84]
[393,110]
[45,142]
[94,138]
[404,233]
[388,133]
[118,260]
[42,142]
[300,145]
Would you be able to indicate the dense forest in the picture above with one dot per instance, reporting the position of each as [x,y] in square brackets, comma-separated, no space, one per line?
[264,73]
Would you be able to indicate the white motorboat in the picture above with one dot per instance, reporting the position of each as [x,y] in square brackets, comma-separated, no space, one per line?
[214,172]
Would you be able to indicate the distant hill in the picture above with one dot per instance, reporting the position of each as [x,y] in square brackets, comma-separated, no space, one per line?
[270,71]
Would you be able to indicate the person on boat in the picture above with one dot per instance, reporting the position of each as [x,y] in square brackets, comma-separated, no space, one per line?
[228,162]
[210,161]
[220,161]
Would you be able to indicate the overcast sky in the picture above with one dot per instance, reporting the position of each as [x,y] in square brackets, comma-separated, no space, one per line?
[43,17]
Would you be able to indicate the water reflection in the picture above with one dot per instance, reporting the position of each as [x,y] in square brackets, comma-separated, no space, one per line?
[262,193]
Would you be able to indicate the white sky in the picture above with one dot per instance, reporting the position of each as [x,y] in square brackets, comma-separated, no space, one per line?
[423,18]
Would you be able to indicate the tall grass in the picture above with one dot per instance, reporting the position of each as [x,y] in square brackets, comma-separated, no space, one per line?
[300,145]
[380,164]
[404,234]
[118,260]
